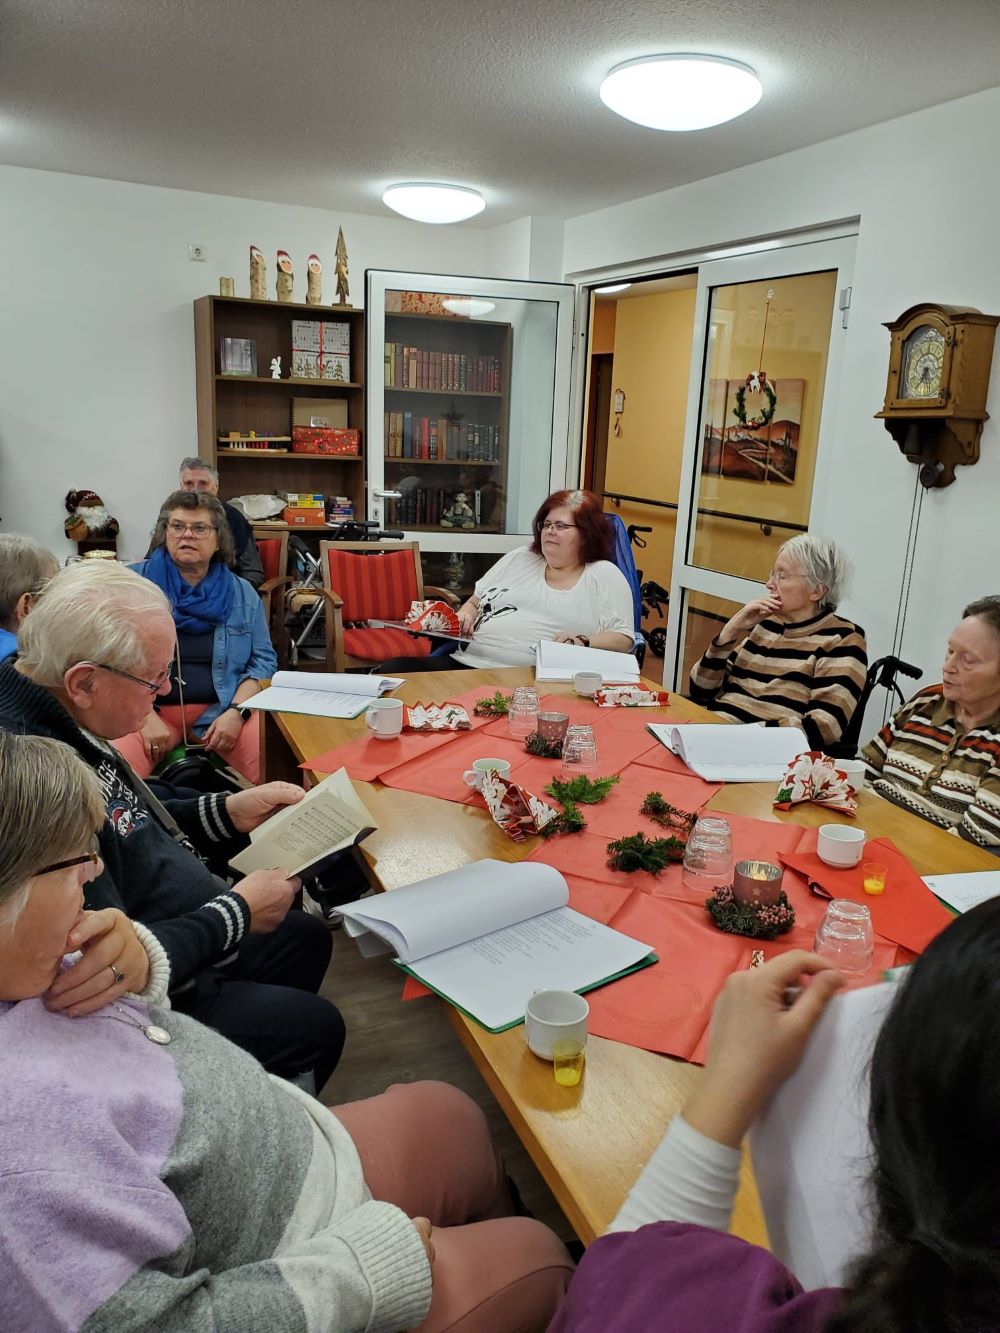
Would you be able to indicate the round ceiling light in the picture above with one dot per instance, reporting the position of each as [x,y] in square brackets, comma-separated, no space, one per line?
[681,91]
[426,202]
[610,290]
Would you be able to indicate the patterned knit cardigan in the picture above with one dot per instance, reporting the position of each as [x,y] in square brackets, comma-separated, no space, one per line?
[923,762]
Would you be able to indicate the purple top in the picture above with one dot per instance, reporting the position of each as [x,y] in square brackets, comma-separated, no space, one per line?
[676,1278]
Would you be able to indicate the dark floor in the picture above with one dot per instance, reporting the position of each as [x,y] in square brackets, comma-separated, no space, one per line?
[389,1041]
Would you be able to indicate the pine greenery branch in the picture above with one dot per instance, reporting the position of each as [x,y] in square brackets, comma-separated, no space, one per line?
[581,790]
[669,816]
[637,852]
[570,820]
[496,705]
[753,919]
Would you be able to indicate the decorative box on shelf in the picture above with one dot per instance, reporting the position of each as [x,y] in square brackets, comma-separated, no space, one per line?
[321,350]
[303,499]
[319,411]
[303,518]
[330,440]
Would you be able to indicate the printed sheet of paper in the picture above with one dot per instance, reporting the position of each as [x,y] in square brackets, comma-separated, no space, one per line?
[492,978]
[811,1148]
[964,891]
[734,753]
[322,693]
[561,661]
[329,818]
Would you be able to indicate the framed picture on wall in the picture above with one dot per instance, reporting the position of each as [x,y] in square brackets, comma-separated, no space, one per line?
[768,453]
[238,356]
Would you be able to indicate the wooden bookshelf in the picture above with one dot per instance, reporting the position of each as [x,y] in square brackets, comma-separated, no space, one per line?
[447,391]
[246,403]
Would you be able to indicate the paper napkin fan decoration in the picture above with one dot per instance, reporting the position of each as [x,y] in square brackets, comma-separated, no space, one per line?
[432,615]
[514,808]
[630,696]
[436,717]
[814,776]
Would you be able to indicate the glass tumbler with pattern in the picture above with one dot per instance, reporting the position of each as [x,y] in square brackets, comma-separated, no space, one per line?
[522,713]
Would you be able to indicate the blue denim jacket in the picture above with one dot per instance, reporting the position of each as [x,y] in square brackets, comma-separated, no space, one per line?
[241,650]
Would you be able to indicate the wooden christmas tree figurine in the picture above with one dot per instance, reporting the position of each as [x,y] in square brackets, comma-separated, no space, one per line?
[314,281]
[286,279]
[258,275]
[343,291]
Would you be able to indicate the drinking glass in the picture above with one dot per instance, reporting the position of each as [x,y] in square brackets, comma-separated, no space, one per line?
[522,714]
[579,751]
[708,856]
[845,936]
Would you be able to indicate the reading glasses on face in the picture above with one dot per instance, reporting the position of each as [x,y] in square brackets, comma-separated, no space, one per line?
[555,527]
[92,857]
[178,529]
[779,576]
[154,686]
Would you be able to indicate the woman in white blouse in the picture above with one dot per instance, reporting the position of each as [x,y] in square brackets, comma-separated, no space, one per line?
[562,587]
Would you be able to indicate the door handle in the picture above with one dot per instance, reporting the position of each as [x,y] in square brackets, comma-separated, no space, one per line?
[388,495]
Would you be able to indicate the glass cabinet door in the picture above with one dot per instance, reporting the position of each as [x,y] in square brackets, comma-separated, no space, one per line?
[468,398]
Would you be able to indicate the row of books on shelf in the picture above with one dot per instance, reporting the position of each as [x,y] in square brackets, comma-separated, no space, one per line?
[425,505]
[440,439]
[420,368]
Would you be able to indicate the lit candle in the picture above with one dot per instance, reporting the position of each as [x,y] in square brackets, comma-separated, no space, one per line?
[757,882]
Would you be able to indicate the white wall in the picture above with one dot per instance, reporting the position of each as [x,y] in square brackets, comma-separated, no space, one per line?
[97,384]
[927,190]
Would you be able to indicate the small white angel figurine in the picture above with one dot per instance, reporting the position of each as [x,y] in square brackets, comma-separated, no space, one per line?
[276,368]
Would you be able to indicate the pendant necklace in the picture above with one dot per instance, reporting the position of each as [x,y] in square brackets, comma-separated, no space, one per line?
[151,1031]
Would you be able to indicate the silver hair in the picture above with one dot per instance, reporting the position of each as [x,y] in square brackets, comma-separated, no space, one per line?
[198,465]
[95,611]
[823,564]
[24,567]
[50,807]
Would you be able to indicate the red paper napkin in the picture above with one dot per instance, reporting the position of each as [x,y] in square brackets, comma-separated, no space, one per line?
[906,913]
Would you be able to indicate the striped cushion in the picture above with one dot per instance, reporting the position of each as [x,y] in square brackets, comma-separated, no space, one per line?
[374,587]
[377,645]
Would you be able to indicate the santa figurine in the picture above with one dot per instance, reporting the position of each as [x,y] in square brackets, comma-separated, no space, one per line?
[89,523]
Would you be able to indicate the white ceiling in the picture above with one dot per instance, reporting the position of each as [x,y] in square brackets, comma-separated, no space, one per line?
[324,103]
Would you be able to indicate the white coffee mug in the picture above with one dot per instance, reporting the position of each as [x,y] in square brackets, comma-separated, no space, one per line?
[854,771]
[840,845]
[473,777]
[587,682]
[552,1015]
[385,718]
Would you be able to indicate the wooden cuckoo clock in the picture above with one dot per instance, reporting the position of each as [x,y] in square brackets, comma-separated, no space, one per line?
[935,397]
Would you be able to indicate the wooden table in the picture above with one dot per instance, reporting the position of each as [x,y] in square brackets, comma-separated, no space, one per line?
[590,1142]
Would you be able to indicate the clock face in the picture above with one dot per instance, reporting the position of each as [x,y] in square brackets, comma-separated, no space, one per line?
[922,364]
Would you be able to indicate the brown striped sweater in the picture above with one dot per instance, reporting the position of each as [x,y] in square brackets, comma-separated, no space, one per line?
[923,762]
[808,675]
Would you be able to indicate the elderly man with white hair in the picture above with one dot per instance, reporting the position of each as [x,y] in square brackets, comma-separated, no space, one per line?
[25,567]
[94,654]
[787,658]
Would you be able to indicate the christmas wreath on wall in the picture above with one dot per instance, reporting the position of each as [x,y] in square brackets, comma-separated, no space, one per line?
[755,383]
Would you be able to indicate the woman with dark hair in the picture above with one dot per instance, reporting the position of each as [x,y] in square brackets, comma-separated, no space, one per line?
[561,587]
[939,756]
[933,1262]
[224,649]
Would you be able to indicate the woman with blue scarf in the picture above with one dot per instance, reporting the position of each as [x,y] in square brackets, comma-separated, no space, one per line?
[222,639]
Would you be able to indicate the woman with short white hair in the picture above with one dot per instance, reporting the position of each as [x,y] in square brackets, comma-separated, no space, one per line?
[25,568]
[787,658]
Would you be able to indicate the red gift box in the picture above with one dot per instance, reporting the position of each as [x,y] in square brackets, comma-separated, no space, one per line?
[335,440]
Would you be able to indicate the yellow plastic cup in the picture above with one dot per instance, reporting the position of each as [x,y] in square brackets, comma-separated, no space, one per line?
[873,877]
[567,1061]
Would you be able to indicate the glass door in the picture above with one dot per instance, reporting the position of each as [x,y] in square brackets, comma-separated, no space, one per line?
[769,333]
[467,410]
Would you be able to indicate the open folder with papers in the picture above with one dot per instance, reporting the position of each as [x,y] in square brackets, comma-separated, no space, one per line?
[487,936]
[733,752]
[301,839]
[321,693]
[561,661]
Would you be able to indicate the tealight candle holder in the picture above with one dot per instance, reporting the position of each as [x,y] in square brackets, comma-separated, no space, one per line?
[757,883]
[552,726]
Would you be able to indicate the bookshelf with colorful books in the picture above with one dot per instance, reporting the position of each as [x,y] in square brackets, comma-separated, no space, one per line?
[302,432]
[445,423]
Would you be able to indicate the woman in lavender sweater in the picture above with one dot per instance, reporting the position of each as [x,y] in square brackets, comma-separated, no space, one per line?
[934,1261]
[153,1176]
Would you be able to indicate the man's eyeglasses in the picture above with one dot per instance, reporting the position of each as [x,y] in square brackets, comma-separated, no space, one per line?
[92,857]
[178,529]
[549,526]
[154,686]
